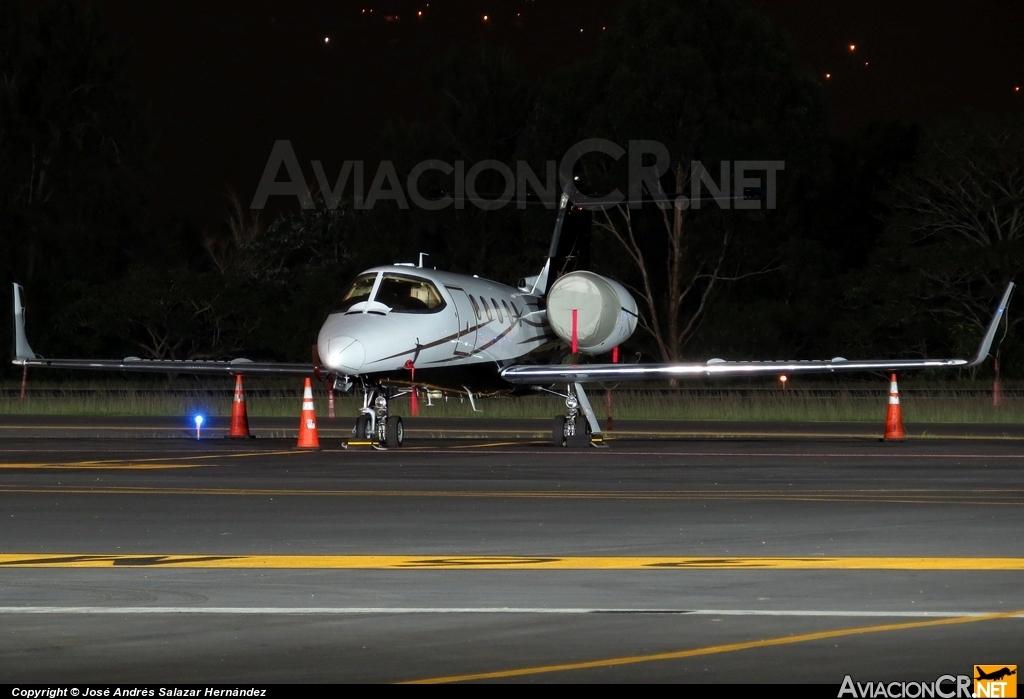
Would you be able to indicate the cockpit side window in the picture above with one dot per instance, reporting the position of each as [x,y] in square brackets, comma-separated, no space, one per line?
[358,291]
[408,295]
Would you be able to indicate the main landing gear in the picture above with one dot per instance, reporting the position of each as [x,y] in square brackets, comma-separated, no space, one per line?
[374,425]
[578,428]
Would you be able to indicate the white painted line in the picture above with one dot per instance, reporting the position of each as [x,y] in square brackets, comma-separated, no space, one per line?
[838,613]
[483,610]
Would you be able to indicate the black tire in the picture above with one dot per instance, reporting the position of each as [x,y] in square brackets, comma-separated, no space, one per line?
[558,432]
[362,428]
[395,432]
[581,439]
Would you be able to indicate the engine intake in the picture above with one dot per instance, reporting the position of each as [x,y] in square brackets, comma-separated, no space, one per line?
[606,313]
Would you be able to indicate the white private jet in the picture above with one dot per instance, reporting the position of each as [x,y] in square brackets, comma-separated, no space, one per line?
[465,334]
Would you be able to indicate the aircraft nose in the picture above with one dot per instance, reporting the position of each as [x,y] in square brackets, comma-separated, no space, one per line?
[345,355]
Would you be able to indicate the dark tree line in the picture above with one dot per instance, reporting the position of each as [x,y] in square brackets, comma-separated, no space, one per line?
[892,243]
[74,152]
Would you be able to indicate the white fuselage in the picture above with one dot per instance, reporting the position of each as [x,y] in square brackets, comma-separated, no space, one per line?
[470,321]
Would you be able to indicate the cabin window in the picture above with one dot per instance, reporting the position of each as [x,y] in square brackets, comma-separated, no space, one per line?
[408,295]
[487,309]
[516,309]
[476,308]
[358,291]
[508,311]
[497,309]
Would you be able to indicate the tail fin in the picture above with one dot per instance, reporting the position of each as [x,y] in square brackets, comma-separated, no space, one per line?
[574,243]
[993,327]
[537,285]
[21,347]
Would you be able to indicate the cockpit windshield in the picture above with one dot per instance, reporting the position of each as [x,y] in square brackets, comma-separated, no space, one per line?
[408,295]
[358,292]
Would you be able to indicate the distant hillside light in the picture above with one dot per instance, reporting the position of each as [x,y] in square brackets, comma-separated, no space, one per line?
[485,18]
[828,75]
[853,47]
[327,39]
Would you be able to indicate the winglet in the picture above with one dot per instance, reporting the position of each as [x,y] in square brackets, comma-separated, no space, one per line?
[990,335]
[21,348]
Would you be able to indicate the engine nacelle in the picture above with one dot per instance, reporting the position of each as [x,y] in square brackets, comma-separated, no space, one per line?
[606,314]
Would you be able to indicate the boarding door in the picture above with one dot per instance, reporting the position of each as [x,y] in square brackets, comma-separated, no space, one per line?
[466,342]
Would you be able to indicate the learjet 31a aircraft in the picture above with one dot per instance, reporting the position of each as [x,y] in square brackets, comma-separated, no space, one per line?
[464,334]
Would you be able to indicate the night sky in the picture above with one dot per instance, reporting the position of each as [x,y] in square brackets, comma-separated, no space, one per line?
[224,79]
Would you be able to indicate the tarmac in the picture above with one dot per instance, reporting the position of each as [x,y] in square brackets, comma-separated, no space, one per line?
[683,552]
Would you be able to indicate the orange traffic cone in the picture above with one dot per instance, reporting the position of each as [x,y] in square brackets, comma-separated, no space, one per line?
[894,418]
[239,418]
[308,438]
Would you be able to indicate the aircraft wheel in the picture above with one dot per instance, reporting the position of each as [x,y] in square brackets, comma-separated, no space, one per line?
[558,431]
[582,437]
[362,427]
[395,432]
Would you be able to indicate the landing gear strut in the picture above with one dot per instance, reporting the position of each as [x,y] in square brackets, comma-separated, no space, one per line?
[578,428]
[374,424]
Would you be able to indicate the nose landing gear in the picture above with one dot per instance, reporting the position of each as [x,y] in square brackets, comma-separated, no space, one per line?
[578,428]
[374,426]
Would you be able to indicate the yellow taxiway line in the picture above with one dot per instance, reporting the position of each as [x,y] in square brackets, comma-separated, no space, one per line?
[981,496]
[712,650]
[97,466]
[146,463]
[485,446]
[442,562]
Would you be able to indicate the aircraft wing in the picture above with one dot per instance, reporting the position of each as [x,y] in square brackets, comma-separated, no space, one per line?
[24,356]
[590,373]
[173,366]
